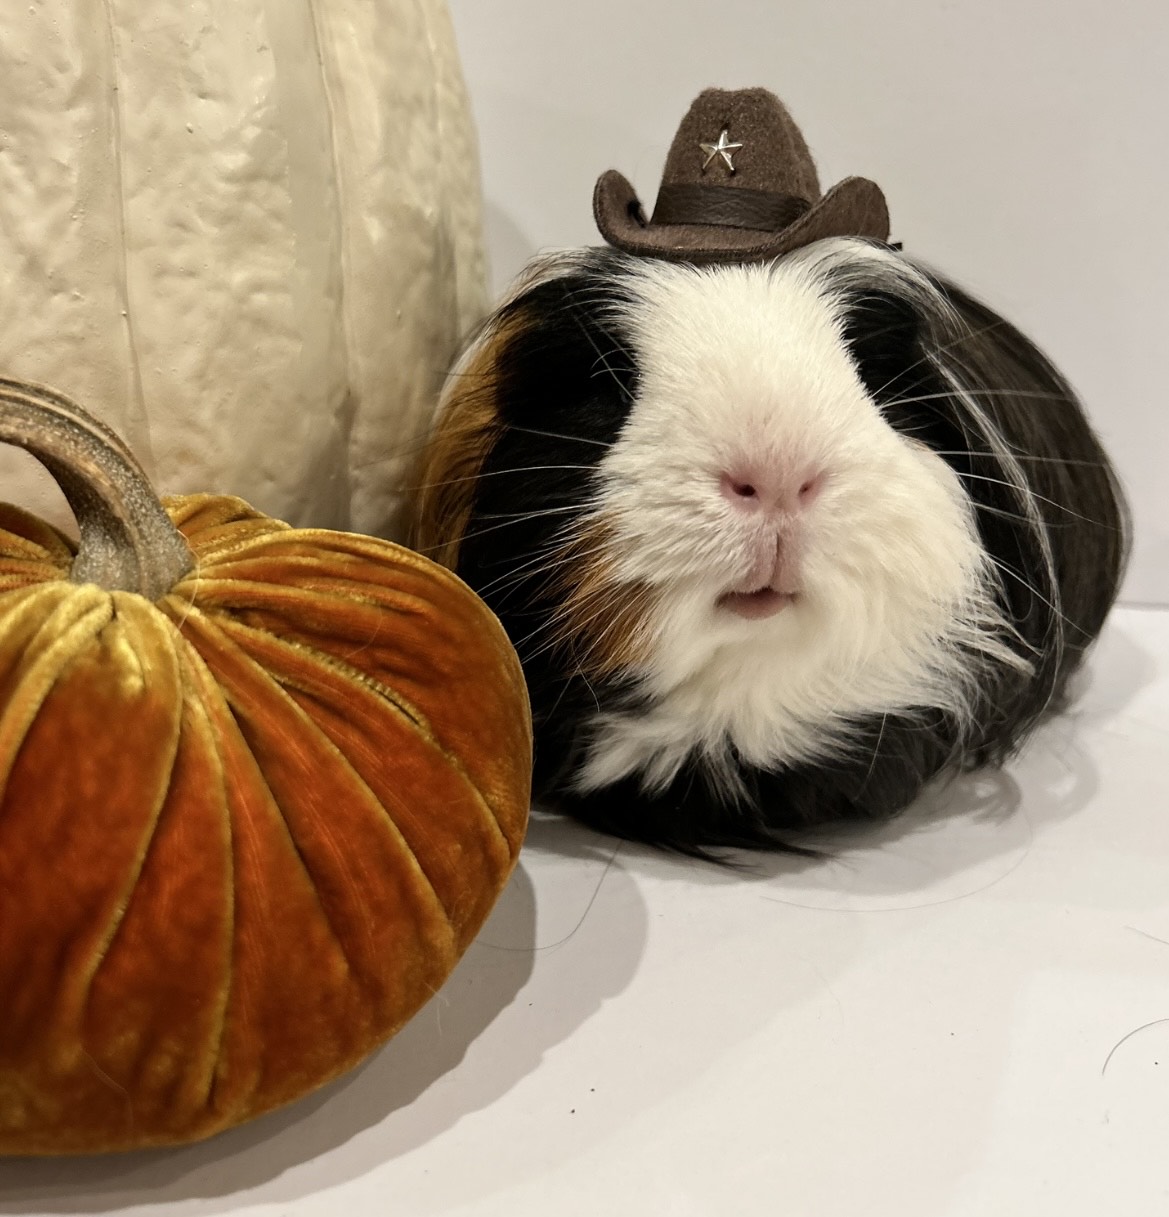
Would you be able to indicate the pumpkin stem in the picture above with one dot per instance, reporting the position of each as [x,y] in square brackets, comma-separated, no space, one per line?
[127,541]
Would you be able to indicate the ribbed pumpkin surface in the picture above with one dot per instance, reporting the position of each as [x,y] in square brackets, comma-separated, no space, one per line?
[245,833]
[267,208]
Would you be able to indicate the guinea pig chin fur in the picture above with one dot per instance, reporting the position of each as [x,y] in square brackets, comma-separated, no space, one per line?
[777,543]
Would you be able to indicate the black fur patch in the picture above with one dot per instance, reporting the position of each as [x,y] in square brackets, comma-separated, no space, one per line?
[564,384]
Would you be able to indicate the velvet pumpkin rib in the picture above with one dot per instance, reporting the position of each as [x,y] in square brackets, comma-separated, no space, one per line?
[395,942]
[73,838]
[155,679]
[266,715]
[216,525]
[283,967]
[334,597]
[295,1017]
[168,974]
[25,539]
[466,695]
[444,819]
[41,627]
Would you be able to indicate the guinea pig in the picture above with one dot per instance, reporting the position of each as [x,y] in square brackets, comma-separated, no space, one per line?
[777,542]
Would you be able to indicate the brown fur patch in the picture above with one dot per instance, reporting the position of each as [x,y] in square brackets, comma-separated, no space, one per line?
[601,622]
[466,430]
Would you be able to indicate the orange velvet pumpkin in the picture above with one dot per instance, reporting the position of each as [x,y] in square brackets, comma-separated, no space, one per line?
[259,788]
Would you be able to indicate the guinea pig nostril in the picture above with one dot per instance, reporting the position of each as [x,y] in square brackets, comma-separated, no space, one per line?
[735,488]
[809,488]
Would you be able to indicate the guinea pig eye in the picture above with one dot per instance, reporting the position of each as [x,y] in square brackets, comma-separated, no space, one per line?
[566,365]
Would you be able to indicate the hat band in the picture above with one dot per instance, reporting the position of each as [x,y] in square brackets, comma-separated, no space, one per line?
[728,206]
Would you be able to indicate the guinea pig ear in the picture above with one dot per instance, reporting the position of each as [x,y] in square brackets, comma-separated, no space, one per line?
[466,428]
[883,333]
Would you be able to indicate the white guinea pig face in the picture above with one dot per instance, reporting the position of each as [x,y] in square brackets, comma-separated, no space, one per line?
[809,562]
[754,460]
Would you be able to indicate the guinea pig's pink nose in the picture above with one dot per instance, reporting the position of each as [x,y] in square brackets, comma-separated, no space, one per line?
[763,490]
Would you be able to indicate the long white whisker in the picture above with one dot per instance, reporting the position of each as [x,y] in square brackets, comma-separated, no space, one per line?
[556,620]
[596,699]
[526,515]
[507,523]
[980,477]
[601,358]
[494,473]
[517,574]
[928,357]
[572,439]
[1021,456]
[1006,570]
[906,401]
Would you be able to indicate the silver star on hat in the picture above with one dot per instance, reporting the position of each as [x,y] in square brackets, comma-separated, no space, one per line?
[723,148]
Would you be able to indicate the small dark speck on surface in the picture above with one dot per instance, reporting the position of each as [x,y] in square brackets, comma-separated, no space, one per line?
[1157,1022]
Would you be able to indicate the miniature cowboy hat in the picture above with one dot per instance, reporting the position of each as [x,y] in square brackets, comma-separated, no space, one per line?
[739,186]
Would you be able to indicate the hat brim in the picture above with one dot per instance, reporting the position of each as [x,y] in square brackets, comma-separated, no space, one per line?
[854,207]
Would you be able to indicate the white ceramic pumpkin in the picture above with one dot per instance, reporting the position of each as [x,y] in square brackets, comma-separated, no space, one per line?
[249,232]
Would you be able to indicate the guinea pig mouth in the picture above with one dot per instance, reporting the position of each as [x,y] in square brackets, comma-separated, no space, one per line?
[754,606]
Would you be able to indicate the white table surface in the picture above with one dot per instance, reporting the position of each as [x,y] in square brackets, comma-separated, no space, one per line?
[966,1014]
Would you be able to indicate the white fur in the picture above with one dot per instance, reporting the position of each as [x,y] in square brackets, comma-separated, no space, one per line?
[749,361]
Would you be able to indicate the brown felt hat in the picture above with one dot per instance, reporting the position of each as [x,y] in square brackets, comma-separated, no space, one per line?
[739,186]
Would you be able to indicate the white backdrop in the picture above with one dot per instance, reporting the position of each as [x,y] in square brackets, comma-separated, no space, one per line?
[1023,146]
